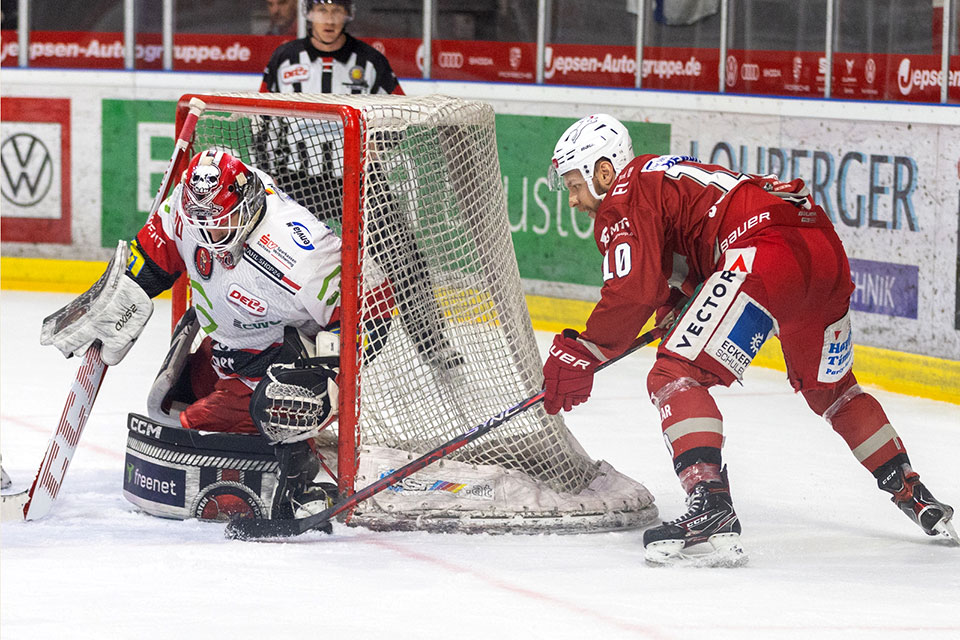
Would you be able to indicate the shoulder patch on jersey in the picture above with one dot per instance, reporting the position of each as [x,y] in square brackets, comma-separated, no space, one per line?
[295,73]
[301,235]
[662,163]
[611,231]
[203,261]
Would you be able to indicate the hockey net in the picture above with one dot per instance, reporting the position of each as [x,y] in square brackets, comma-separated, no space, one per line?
[413,186]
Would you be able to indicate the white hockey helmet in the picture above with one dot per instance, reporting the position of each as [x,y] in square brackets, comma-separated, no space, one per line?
[587,140]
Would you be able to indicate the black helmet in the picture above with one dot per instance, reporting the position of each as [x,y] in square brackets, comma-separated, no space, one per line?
[346,4]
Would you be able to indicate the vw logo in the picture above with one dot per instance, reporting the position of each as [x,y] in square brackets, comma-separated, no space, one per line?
[450,59]
[27,169]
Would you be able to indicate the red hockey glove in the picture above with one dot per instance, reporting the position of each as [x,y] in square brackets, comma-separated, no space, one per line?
[567,373]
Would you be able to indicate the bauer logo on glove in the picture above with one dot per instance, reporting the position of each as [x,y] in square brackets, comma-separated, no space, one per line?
[568,372]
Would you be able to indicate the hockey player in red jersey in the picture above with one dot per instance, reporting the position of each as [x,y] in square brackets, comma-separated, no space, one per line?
[753,257]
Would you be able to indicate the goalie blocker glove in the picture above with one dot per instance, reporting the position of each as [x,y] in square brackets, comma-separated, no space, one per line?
[568,372]
[113,311]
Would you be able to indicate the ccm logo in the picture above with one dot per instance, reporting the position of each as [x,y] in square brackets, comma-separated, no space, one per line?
[450,59]
[570,359]
[750,72]
[247,301]
[146,428]
[296,73]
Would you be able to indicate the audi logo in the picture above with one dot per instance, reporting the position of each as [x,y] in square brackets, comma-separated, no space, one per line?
[750,72]
[450,59]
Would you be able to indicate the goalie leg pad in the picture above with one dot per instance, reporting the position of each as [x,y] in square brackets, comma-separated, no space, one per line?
[178,473]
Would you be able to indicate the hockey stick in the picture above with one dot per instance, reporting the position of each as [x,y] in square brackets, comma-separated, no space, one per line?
[36,501]
[258,529]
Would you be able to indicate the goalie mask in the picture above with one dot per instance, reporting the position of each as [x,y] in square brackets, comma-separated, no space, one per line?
[584,143]
[221,201]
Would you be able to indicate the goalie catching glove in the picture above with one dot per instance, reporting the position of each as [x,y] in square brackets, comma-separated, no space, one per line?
[294,401]
[568,372]
[113,311]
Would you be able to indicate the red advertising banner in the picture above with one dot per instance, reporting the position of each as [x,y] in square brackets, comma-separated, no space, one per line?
[35,182]
[104,50]
[680,69]
[856,76]
[484,61]
[787,73]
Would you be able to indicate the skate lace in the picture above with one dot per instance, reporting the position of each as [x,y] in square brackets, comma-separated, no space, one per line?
[696,501]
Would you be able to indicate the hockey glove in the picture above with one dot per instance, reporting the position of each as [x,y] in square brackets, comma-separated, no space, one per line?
[567,373]
[113,311]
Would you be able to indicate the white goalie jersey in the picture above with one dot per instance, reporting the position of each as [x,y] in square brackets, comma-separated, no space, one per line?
[288,273]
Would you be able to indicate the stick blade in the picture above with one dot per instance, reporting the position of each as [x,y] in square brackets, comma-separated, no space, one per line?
[255,529]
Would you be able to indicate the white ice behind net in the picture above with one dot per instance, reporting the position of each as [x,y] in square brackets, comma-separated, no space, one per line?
[454,345]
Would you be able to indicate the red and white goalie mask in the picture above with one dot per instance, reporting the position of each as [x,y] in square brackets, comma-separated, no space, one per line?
[221,201]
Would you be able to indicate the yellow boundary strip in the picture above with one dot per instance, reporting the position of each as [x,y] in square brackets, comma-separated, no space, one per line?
[39,274]
[895,371]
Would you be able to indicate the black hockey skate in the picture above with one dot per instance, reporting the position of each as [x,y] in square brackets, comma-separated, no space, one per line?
[915,500]
[709,518]
[298,494]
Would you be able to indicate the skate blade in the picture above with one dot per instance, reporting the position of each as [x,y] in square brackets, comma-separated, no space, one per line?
[945,527]
[723,550]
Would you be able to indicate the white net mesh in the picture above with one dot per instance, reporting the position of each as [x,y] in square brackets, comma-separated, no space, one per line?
[454,345]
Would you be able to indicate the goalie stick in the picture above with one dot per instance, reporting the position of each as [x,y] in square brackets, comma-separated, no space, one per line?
[258,529]
[36,501]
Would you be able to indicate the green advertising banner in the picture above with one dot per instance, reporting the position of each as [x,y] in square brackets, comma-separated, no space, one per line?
[553,242]
[138,138]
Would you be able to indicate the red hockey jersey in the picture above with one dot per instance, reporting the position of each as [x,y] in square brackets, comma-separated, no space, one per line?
[666,222]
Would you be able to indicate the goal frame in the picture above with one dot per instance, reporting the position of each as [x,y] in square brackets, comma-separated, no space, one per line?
[352,230]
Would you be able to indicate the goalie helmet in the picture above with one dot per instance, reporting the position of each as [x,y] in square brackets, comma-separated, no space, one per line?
[346,4]
[586,141]
[221,200]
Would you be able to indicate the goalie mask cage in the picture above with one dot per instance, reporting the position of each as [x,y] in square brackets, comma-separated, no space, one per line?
[435,333]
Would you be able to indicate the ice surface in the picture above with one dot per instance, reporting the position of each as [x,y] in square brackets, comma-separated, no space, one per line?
[830,557]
